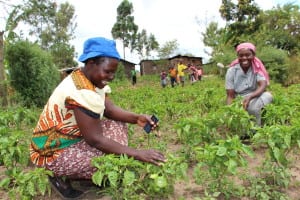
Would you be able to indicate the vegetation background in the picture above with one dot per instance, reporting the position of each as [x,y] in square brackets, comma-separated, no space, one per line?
[199,135]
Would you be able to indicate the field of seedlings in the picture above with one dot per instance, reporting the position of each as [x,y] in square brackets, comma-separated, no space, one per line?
[199,135]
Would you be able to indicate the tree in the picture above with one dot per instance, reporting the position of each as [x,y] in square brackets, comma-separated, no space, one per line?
[226,10]
[152,43]
[241,18]
[242,22]
[281,28]
[168,49]
[125,29]
[216,39]
[213,37]
[60,35]
[37,14]
[3,81]
[144,44]
[52,27]
[3,89]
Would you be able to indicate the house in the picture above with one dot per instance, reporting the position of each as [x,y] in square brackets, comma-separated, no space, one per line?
[186,60]
[127,66]
[156,66]
[148,67]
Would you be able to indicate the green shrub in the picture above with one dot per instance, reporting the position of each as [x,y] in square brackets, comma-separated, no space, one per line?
[32,72]
[275,61]
[120,74]
[293,71]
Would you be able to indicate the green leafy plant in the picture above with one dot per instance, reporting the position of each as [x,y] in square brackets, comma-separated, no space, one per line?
[281,140]
[13,150]
[260,189]
[26,185]
[221,160]
[132,179]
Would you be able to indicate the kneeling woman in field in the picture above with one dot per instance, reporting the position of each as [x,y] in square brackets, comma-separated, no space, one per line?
[80,122]
[248,78]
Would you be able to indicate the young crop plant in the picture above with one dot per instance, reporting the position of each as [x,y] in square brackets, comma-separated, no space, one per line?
[14,151]
[16,117]
[193,131]
[258,188]
[218,162]
[280,140]
[236,120]
[283,113]
[17,180]
[27,185]
[132,179]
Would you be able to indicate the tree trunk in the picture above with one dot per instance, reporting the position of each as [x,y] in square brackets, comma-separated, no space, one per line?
[3,86]
[123,50]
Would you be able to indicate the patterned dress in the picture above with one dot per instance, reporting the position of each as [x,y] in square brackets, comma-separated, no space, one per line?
[57,143]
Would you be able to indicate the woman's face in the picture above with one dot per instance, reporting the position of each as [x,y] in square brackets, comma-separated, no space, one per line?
[104,72]
[245,57]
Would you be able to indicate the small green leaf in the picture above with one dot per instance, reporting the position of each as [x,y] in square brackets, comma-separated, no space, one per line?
[113,178]
[248,151]
[30,188]
[231,166]
[161,182]
[4,183]
[129,178]
[97,178]
[153,176]
[221,151]
[216,194]
[276,153]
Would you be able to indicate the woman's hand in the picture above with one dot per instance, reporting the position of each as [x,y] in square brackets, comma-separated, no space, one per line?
[151,156]
[230,96]
[246,102]
[142,120]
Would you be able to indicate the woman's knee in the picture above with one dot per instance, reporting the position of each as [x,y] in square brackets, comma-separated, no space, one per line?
[267,98]
[253,110]
[115,130]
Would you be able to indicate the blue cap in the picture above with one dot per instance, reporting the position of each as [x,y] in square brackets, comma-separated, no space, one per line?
[99,46]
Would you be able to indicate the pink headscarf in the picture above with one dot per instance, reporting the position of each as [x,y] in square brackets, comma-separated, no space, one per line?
[257,65]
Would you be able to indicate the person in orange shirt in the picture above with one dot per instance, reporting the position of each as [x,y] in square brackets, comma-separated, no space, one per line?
[173,75]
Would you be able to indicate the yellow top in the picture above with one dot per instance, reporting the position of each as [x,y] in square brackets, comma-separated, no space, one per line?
[180,68]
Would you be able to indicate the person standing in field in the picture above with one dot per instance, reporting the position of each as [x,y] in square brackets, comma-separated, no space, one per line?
[193,73]
[199,73]
[248,78]
[163,78]
[173,75]
[180,72]
[133,76]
